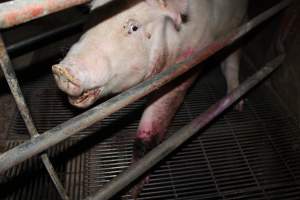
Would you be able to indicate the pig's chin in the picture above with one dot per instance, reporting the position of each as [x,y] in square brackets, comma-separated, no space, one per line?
[86,99]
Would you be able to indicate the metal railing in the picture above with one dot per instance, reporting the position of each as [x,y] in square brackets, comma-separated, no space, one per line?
[39,143]
[16,12]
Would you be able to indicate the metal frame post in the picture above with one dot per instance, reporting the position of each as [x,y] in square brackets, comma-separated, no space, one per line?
[12,81]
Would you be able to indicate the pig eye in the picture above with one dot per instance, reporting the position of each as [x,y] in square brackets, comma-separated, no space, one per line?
[133,26]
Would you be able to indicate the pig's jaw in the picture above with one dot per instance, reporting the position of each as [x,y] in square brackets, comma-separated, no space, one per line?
[86,99]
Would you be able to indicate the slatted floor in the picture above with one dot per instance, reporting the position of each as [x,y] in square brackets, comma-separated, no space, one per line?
[254,154]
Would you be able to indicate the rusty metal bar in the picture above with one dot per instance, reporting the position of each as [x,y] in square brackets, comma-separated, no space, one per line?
[181,136]
[12,81]
[20,11]
[63,131]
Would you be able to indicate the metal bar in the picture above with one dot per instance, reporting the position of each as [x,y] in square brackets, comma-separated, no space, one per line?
[287,22]
[16,12]
[20,11]
[88,118]
[43,39]
[181,136]
[12,81]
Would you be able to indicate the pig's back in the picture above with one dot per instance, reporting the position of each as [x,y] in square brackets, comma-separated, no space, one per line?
[228,14]
[209,19]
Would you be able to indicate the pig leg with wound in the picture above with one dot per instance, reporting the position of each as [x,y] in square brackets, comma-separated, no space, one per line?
[156,119]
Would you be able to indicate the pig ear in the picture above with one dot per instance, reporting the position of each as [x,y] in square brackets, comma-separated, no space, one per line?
[179,6]
[172,8]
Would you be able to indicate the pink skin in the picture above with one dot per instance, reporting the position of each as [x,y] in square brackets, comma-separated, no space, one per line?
[96,64]
[131,46]
[126,49]
[140,42]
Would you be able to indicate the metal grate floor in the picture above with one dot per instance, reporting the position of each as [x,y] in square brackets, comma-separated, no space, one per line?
[254,154]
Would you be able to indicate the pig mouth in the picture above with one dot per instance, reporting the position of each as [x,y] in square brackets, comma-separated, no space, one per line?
[87,98]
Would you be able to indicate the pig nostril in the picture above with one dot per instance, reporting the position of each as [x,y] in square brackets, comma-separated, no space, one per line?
[61,72]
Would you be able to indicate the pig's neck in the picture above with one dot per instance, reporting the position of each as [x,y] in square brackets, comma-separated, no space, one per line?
[194,34]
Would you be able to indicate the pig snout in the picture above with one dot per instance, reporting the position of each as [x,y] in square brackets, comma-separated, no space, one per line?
[75,87]
[83,85]
[66,81]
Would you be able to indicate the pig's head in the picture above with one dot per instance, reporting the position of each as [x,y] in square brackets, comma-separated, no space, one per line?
[120,52]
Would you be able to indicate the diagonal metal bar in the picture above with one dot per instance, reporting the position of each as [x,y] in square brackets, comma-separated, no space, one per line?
[185,133]
[12,81]
[63,131]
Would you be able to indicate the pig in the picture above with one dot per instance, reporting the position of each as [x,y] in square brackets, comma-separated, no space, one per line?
[142,40]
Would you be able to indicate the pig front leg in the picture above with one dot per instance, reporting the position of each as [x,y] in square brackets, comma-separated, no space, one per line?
[155,121]
[230,68]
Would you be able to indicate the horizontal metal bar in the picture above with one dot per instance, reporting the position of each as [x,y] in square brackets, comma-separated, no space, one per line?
[63,131]
[45,38]
[13,83]
[181,136]
[20,11]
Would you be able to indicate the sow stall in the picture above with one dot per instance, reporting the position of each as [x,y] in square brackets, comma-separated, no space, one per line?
[74,154]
